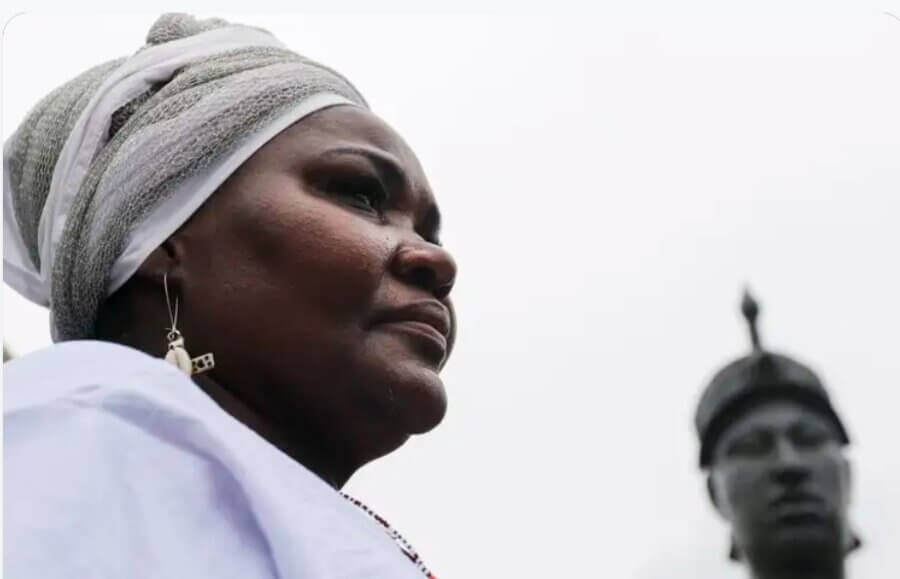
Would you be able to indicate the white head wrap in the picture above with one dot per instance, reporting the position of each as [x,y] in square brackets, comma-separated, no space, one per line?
[112,163]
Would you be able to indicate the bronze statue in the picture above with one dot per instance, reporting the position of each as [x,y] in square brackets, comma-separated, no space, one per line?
[772,446]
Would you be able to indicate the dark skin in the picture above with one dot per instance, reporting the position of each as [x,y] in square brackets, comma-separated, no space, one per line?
[781,480]
[315,276]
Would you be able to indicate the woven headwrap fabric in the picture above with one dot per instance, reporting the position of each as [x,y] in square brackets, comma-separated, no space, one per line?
[108,166]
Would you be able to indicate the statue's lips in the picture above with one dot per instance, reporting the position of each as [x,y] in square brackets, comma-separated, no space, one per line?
[798,509]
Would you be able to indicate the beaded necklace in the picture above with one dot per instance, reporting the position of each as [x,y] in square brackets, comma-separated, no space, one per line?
[405,547]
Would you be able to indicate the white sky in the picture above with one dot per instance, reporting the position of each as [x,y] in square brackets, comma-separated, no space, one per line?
[609,180]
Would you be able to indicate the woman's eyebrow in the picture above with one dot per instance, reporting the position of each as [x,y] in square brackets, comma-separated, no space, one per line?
[392,172]
[387,166]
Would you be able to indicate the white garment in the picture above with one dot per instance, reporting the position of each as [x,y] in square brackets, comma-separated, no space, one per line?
[117,465]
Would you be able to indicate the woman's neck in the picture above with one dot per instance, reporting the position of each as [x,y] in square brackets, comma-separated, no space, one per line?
[321,463]
[122,320]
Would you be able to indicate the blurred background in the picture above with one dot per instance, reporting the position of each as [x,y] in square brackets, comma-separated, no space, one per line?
[609,180]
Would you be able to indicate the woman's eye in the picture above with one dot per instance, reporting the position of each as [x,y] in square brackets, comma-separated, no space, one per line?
[364,193]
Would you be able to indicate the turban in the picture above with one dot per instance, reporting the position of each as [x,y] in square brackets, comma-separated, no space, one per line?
[108,166]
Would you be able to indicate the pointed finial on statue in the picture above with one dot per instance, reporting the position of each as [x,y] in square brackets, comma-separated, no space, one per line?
[750,309]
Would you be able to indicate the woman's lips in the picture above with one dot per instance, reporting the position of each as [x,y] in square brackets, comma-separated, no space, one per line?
[426,321]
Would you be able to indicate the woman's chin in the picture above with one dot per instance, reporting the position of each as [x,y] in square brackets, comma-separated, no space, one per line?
[425,422]
[421,403]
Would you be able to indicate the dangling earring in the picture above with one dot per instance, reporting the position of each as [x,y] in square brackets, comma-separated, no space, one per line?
[176,353]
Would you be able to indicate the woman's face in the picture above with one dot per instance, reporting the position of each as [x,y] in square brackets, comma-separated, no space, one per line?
[316,278]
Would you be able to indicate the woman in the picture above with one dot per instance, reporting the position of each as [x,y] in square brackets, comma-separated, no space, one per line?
[223,203]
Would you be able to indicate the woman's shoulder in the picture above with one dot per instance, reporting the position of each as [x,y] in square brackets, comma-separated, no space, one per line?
[104,409]
[112,455]
[113,400]
[100,470]
[58,370]
[92,423]
[107,379]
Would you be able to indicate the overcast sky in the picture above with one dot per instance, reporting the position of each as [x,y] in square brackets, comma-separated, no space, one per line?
[609,181]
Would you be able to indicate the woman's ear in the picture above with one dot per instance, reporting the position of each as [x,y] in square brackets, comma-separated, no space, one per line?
[122,315]
[160,262]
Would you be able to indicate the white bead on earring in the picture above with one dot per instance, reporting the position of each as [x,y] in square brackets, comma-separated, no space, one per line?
[176,353]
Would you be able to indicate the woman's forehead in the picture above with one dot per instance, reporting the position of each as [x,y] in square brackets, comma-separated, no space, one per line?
[344,128]
[346,125]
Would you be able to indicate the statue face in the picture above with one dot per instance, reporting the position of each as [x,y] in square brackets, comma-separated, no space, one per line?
[779,477]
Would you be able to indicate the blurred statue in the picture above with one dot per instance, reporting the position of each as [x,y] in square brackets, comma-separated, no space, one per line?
[772,446]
